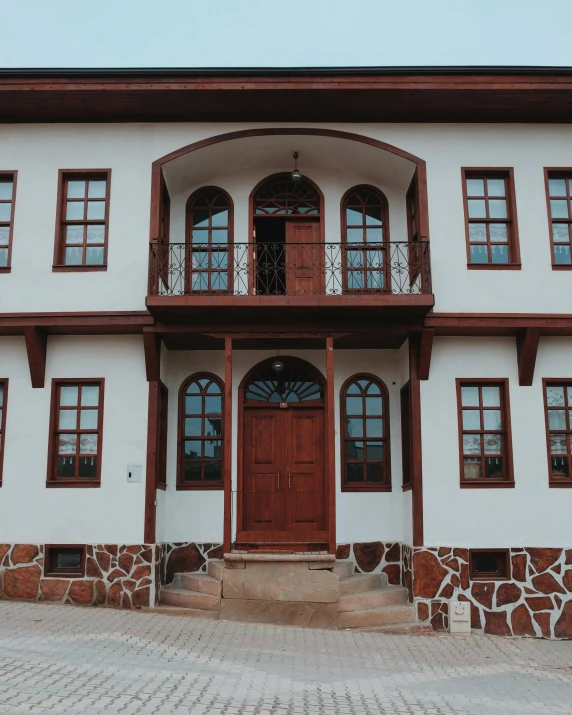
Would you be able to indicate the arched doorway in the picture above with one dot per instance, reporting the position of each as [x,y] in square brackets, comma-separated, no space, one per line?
[287,229]
[282,488]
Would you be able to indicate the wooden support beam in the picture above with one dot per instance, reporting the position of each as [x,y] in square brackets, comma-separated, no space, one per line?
[425,350]
[416,452]
[227,445]
[526,350]
[36,343]
[331,445]
[152,347]
[152,456]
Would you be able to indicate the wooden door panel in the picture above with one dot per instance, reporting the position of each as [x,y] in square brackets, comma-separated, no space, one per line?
[304,259]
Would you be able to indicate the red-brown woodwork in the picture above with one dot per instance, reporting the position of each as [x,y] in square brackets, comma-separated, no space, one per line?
[425,351]
[36,345]
[152,349]
[527,349]
[150,516]
[304,259]
[557,397]
[558,197]
[8,181]
[3,407]
[416,465]
[227,443]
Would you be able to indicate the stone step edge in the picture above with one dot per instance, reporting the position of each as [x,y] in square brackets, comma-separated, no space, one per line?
[327,558]
[164,610]
[411,628]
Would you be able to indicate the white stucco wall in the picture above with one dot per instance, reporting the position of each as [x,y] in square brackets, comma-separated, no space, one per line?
[530,514]
[113,513]
[37,152]
[198,515]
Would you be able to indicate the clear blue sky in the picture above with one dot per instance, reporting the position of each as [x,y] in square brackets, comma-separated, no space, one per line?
[264,33]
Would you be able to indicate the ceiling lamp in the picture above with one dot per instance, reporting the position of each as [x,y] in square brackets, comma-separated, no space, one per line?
[295,176]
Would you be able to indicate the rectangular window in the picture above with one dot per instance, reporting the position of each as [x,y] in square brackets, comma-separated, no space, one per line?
[76,432]
[558,407]
[559,197]
[7,201]
[484,433]
[406,446]
[83,216]
[490,212]
[65,560]
[489,564]
[162,437]
[3,403]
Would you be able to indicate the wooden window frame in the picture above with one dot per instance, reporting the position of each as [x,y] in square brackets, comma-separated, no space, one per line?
[558,173]
[4,385]
[65,175]
[483,482]
[385,243]
[6,177]
[406,436]
[50,554]
[385,485]
[162,436]
[52,480]
[555,482]
[202,485]
[229,290]
[503,574]
[506,173]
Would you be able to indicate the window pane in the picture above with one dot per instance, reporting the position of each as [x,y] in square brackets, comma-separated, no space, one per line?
[213,471]
[76,189]
[492,443]
[73,256]
[471,444]
[554,396]
[95,234]
[560,467]
[558,444]
[374,235]
[557,187]
[373,215]
[74,234]
[96,189]
[66,467]
[213,405]
[6,188]
[94,256]
[472,468]
[355,280]
[569,390]
[562,255]
[373,389]
[354,235]
[497,208]
[219,259]
[355,259]
[220,217]
[192,472]
[354,473]
[67,443]
[3,257]
[477,208]
[87,468]
[493,467]
[373,406]
[193,427]
[558,209]
[374,428]
[74,210]
[354,450]
[374,472]
[200,281]
[496,187]
[556,419]
[470,396]
[354,406]
[68,395]
[353,217]
[88,419]
[4,235]
[220,236]
[1,396]
[479,254]
[219,281]
[200,218]
[193,449]
[374,451]
[90,395]
[499,232]
[193,405]
[213,449]
[499,254]
[200,236]
[213,427]
[5,212]
[492,419]
[471,419]
[95,210]
[477,232]
[354,427]
[475,187]
[68,419]
[491,396]
[88,444]
[560,233]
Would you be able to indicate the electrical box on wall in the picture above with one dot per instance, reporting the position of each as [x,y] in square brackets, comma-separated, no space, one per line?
[134,472]
[460,616]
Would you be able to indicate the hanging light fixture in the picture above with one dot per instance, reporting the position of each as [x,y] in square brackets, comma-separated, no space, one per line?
[295,176]
[277,367]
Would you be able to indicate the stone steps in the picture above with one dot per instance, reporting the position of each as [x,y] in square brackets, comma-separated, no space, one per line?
[383,616]
[362,582]
[375,598]
[183,598]
[188,612]
[199,582]
[216,568]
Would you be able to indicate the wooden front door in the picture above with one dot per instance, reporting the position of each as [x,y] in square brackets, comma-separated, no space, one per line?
[283,498]
[303,260]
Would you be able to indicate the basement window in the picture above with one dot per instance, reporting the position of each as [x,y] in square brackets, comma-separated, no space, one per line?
[68,561]
[489,564]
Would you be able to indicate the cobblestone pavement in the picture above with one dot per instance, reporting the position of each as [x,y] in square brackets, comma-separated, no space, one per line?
[65,659]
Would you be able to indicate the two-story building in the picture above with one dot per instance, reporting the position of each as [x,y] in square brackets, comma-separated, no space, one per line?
[305,332]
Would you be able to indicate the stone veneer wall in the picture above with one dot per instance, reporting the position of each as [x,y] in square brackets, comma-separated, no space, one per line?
[536,601]
[116,575]
[375,557]
[186,557]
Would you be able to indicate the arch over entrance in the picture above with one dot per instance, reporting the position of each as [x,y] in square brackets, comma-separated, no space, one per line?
[283,492]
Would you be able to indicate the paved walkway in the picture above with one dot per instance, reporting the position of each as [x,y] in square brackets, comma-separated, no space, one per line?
[63,659]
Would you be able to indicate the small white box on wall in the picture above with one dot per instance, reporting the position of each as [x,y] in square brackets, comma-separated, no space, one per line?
[459,617]
[134,473]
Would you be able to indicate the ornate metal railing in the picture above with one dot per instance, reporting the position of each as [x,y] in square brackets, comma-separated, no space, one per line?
[273,269]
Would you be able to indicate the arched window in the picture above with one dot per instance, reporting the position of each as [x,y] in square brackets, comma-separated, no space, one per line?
[365,233]
[201,432]
[209,238]
[297,382]
[364,414]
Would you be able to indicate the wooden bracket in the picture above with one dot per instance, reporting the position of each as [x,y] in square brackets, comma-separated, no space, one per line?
[424,356]
[36,343]
[152,347]
[526,350]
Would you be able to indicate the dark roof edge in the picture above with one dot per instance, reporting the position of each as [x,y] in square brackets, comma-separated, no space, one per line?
[276,71]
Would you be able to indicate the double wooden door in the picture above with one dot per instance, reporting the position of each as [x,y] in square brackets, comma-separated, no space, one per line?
[283,495]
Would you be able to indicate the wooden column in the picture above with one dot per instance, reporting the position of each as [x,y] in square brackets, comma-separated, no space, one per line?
[330,445]
[151,471]
[527,349]
[36,342]
[152,348]
[227,445]
[416,452]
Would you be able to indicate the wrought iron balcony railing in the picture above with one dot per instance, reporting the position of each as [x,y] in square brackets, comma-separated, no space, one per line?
[293,269]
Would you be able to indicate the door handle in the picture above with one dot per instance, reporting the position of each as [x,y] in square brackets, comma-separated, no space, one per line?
[289,479]
[278,486]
